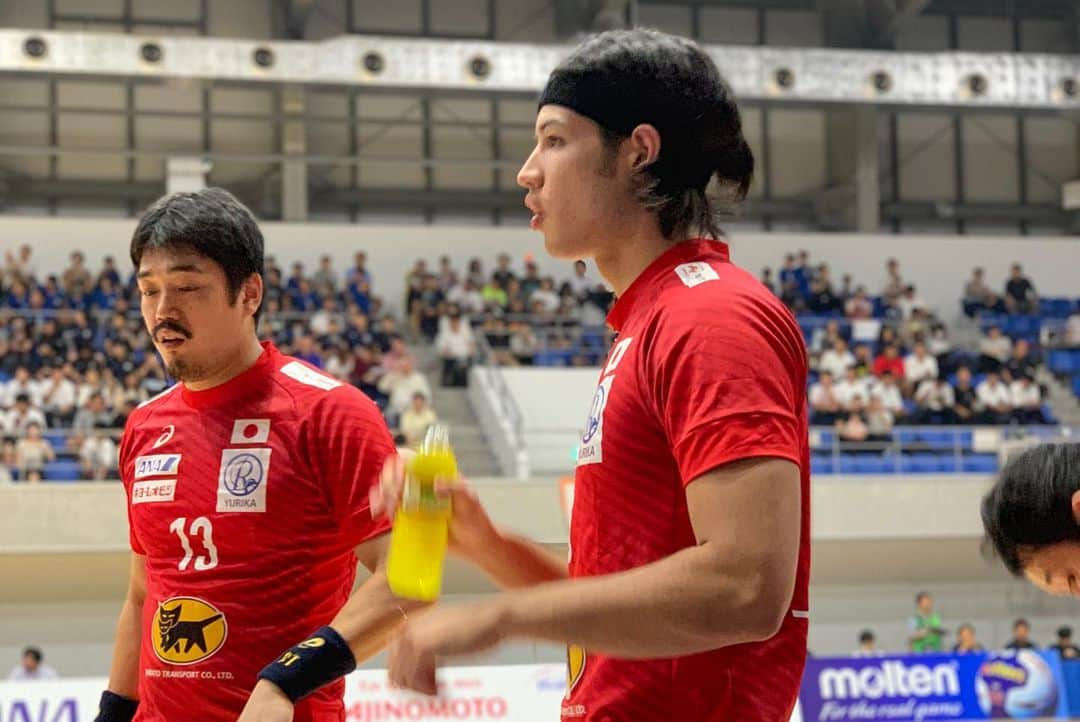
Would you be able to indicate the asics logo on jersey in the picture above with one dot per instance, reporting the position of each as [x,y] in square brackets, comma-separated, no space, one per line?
[166,434]
[189,630]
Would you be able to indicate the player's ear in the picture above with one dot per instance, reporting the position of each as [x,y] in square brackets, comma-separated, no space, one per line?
[644,146]
[251,292]
[1076,507]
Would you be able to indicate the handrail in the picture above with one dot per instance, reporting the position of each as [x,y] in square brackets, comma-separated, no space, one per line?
[507,406]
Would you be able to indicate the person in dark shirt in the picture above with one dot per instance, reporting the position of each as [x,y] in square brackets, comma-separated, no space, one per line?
[1064,644]
[964,395]
[1021,363]
[1020,296]
[502,273]
[965,640]
[1021,636]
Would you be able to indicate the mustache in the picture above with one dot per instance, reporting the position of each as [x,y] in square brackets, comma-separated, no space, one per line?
[170,326]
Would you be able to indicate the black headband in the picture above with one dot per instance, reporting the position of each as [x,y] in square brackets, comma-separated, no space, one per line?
[619,103]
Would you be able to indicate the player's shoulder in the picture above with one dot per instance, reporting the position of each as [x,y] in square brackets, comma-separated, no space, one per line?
[154,404]
[315,392]
[711,289]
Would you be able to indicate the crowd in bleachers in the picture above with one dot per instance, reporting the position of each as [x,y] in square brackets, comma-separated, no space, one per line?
[75,360]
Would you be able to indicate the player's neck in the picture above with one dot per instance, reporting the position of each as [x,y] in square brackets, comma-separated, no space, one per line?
[630,250]
[238,363]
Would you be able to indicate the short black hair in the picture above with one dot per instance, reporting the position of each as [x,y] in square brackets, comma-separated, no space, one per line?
[1064,632]
[866,636]
[1021,622]
[1030,504]
[671,83]
[966,625]
[210,222]
[921,596]
[33,652]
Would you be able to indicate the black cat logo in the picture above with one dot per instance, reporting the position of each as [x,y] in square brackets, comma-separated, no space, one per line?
[187,630]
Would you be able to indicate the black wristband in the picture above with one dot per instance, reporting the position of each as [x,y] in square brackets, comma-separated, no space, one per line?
[114,708]
[318,660]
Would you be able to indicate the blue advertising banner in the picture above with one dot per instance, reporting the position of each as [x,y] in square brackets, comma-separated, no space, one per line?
[932,687]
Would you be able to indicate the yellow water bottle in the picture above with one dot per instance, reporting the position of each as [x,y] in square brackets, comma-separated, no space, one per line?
[418,541]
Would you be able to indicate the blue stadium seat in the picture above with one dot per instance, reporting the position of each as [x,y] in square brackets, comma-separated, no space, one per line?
[821,464]
[920,464]
[58,439]
[848,464]
[62,471]
[1076,385]
[1061,361]
[1055,307]
[980,463]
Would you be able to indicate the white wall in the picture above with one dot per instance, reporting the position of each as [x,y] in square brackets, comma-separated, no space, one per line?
[939,265]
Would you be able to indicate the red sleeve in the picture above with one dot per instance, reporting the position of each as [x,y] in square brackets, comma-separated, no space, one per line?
[126,468]
[348,442]
[728,385]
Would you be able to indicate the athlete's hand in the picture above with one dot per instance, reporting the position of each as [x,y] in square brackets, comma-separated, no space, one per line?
[439,633]
[471,528]
[267,703]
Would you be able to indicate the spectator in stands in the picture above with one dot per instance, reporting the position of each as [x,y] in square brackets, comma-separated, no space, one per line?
[305,351]
[887,390]
[864,362]
[767,279]
[494,295]
[965,640]
[824,338]
[32,452]
[859,306]
[545,296]
[457,349]
[426,308]
[889,361]
[446,274]
[919,367]
[965,407]
[837,360]
[879,421]
[23,384]
[17,420]
[400,385]
[129,391]
[503,274]
[1020,296]
[1072,329]
[824,405]
[319,323]
[1021,363]
[853,429]
[32,667]
[98,456]
[581,282]
[926,630]
[1027,401]
[386,333]
[804,274]
[93,414]
[530,281]
[916,327]
[77,275]
[325,275]
[340,362]
[994,400]
[358,332]
[823,298]
[851,390]
[467,296]
[936,401]
[909,301]
[19,268]
[867,645]
[58,395]
[995,349]
[1064,644]
[475,272]
[894,281]
[416,420]
[359,271]
[523,343]
[790,291]
[939,345]
[977,294]
[1021,636]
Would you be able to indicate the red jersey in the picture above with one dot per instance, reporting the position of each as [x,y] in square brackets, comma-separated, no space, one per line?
[708,368]
[247,500]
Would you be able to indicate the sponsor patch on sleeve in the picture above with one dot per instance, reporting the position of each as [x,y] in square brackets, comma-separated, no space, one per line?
[157,465]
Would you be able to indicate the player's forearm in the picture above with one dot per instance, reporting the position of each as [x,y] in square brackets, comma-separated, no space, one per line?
[513,561]
[683,604]
[124,671]
[371,616]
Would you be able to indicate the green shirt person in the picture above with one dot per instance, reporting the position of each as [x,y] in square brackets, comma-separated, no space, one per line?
[927,632]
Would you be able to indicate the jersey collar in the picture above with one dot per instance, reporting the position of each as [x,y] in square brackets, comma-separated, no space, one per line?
[694,249]
[237,386]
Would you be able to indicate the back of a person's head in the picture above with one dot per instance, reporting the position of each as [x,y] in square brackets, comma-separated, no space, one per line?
[624,78]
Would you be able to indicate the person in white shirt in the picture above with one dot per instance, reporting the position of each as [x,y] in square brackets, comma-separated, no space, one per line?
[58,396]
[545,296]
[879,421]
[837,360]
[416,420]
[320,320]
[31,667]
[16,420]
[888,391]
[824,404]
[851,390]
[909,301]
[936,400]
[98,456]
[859,306]
[1027,401]
[995,400]
[867,645]
[400,385]
[456,348]
[995,348]
[581,282]
[21,383]
[894,282]
[919,366]
[467,296]
[32,452]
[1072,330]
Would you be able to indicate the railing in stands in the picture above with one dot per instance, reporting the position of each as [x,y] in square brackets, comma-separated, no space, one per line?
[508,408]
